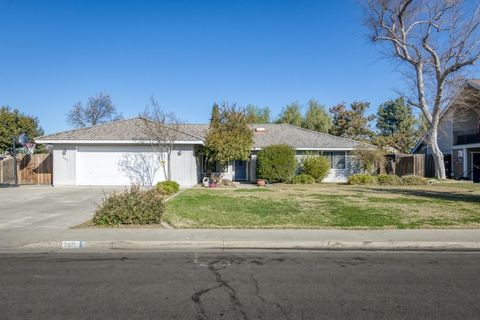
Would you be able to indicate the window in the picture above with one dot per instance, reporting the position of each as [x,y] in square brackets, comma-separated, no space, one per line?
[337,159]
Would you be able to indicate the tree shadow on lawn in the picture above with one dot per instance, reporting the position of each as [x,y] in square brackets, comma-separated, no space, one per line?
[438,195]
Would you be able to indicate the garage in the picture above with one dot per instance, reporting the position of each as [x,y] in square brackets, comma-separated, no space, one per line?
[120,165]
[114,165]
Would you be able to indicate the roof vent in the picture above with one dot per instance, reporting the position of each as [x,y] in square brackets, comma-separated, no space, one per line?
[260,130]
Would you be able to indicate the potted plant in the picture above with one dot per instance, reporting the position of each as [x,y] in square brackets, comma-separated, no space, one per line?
[261,182]
[213,181]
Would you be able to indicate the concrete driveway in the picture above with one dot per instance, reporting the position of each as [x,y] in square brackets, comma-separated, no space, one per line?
[48,207]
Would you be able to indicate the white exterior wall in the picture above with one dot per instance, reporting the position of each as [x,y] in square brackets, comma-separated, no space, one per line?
[184,165]
[86,165]
[64,165]
[341,175]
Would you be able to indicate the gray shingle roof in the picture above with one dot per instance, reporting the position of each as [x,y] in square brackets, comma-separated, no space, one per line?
[298,138]
[131,129]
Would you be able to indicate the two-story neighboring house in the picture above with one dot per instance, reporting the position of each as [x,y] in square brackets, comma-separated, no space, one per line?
[459,134]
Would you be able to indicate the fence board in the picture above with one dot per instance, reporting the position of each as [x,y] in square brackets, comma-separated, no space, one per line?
[35,169]
[6,171]
[406,164]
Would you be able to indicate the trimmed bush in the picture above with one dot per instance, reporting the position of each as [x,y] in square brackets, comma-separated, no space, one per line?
[167,187]
[132,206]
[303,179]
[361,179]
[414,180]
[389,179]
[276,163]
[317,167]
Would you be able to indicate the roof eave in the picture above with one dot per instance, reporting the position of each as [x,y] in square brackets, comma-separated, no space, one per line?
[67,141]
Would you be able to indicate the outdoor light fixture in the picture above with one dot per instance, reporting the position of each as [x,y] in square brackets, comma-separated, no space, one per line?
[179,152]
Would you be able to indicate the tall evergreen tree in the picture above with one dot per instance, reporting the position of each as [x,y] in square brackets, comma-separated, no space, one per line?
[352,123]
[397,125]
[215,117]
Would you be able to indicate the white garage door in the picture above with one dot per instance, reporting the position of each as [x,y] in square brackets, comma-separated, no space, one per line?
[102,165]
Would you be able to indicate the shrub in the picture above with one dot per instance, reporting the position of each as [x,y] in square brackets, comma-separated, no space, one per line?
[362,179]
[317,167]
[369,159]
[414,180]
[303,179]
[167,187]
[132,206]
[276,163]
[389,179]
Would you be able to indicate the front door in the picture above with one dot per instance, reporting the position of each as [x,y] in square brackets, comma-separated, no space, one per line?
[476,167]
[240,170]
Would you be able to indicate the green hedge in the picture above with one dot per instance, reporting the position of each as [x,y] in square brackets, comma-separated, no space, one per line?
[276,163]
[317,167]
[168,187]
[303,179]
[385,179]
[133,206]
[389,179]
[362,178]
[414,180]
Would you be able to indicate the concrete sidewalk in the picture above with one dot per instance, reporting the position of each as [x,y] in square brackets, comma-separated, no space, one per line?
[48,239]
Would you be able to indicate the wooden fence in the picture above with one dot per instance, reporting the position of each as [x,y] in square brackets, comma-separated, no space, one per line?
[421,165]
[6,171]
[406,164]
[31,169]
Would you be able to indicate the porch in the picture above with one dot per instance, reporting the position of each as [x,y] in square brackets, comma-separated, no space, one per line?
[466,162]
[238,170]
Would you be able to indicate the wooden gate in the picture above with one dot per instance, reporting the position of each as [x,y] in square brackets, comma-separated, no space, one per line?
[6,171]
[35,169]
[406,164]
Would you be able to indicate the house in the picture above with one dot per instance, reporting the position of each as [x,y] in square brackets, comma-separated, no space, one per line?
[102,154]
[459,134]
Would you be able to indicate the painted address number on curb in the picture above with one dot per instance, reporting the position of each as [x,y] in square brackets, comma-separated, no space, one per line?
[73,244]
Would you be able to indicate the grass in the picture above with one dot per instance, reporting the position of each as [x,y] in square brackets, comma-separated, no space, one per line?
[441,205]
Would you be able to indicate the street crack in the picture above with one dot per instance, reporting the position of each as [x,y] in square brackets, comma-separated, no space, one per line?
[221,283]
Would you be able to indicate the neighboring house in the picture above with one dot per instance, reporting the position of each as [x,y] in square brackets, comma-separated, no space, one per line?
[97,155]
[459,134]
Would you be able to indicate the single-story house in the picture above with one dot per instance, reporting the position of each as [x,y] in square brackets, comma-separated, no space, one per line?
[459,134]
[112,153]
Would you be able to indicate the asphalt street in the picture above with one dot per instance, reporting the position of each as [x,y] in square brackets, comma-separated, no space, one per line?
[240,285]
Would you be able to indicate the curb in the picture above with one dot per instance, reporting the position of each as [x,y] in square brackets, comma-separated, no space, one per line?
[261,245]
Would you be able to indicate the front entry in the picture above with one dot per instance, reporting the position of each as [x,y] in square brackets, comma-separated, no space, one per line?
[476,167]
[240,167]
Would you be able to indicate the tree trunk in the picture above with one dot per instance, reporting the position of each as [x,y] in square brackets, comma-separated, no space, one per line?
[437,156]
[169,156]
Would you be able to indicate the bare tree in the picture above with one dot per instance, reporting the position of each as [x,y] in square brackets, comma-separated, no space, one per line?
[436,41]
[140,168]
[99,109]
[162,129]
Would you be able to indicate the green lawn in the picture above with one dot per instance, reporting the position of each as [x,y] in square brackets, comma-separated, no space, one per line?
[446,205]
